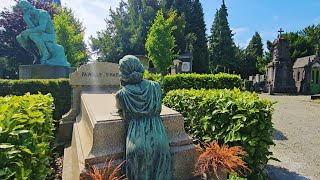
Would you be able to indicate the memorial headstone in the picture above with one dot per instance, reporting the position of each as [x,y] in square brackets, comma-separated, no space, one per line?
[93,131]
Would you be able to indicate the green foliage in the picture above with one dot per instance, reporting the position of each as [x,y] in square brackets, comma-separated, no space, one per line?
[113,43]
[153,77]
[248,85]
[160,42]
[198,81]
[26,129]
[198,28]
[126,30]
[60,90]
[300,45]
[254,54]
[221,46]
[70,34]
[229,116]
[255,47]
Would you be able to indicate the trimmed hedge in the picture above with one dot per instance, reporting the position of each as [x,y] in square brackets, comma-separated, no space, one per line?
[199,81]
[59,88]
[26,129]
[229,116]
[151,76]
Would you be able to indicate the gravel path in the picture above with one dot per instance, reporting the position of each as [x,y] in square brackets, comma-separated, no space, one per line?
[297,121]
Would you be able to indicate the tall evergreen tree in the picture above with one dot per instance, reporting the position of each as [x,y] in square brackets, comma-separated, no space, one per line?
[254,53]
[141,14]
[179,32]
[255,47]
[198,28]
[221,44]
[184,9]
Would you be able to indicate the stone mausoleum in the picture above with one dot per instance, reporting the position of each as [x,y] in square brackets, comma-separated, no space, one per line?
[279,71]
[306,72]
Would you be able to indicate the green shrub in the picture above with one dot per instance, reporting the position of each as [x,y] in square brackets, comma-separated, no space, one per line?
[199,81]
[151,76]
[26,129]
[248,85]
[229,116]
[59,88]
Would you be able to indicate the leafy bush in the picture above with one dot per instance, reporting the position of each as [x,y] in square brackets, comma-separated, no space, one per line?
[151,76]
[229,116]
[248,85]
[26,129]
[59,88]
[199,81]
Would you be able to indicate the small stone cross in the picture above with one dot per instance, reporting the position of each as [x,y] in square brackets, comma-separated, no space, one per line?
[280,32]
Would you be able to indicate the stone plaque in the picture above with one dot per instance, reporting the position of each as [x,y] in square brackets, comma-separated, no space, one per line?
[185,67]
[96,74]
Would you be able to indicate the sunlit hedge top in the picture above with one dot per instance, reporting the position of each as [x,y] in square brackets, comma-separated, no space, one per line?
[199,81]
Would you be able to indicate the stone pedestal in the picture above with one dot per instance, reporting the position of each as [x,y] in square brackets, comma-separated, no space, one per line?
[99,134]
[40,71]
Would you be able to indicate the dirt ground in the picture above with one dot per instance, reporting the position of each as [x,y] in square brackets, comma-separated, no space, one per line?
[297,121]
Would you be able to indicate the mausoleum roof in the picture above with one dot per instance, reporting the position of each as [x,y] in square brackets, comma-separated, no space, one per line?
[304,61]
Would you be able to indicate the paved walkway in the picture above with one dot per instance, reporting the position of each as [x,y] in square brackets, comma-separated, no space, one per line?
[297,121]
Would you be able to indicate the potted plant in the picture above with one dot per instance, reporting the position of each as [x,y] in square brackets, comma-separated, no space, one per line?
[215,162]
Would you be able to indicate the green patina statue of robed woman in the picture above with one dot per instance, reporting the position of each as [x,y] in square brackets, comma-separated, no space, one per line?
[147,147]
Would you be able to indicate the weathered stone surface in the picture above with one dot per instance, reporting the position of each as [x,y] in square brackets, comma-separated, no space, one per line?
[96,74]
[100,77]
[279,72]
[44,71]
[100,133]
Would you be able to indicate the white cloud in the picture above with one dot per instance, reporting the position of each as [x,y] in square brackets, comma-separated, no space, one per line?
[316,20]
[276,18]
[6,4]
[92,13]
[239,30]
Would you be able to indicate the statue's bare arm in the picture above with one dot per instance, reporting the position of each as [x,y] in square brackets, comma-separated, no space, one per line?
[43,20]
[29,23]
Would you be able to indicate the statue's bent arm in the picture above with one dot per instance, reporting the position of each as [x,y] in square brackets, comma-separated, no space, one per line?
[43,20]
[29,23]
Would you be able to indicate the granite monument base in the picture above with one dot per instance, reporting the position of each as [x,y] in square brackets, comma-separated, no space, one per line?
[41,71]
[99,134]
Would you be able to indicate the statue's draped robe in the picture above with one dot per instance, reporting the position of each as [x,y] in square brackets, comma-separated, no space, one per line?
[147,147]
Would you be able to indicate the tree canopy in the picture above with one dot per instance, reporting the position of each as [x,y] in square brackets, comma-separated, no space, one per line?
[70,34]
[160,42]
[221,45]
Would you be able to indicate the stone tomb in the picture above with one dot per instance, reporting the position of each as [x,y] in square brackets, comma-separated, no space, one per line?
[99,133]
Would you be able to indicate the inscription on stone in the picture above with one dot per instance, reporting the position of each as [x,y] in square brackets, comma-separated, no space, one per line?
[96,74]
[99,75]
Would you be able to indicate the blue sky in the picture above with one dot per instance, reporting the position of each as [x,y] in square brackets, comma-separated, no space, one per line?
[245,16]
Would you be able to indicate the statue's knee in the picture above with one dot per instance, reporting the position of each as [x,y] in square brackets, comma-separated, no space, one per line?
[19,38]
